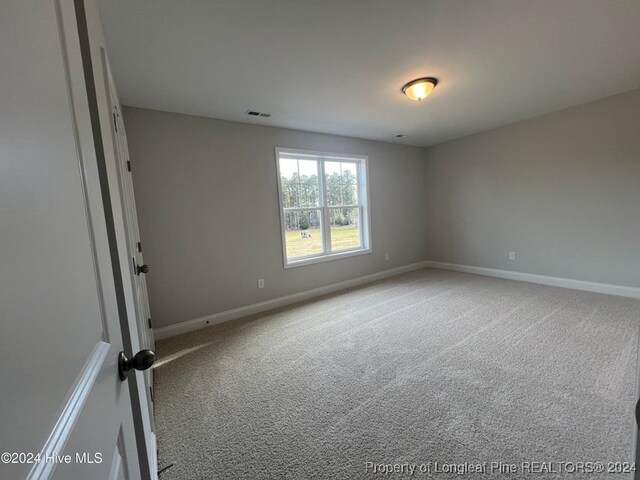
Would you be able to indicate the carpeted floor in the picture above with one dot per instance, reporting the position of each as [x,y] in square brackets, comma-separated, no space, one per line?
[431,366]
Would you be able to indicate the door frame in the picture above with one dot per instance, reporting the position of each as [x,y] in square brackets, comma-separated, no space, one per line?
[102,194]
[141,327]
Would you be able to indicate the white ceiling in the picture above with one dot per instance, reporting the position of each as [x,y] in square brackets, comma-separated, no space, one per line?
[337,66]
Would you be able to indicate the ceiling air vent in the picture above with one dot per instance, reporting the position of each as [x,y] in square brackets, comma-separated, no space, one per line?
[253,113]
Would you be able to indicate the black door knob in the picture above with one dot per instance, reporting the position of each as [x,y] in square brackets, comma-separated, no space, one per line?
[142,269]
[140,361]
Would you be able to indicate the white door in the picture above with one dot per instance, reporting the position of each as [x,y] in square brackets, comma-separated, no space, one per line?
[137,269]
[64,314]
[114,149]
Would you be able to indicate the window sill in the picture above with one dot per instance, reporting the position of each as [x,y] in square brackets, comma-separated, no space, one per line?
[326,258]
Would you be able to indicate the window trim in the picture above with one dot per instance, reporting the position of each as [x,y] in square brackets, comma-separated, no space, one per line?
[364,205]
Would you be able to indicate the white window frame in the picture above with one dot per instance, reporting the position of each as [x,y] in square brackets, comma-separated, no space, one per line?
[363,203]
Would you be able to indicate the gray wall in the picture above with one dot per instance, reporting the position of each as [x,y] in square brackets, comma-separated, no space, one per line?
[207,203]
[562,190]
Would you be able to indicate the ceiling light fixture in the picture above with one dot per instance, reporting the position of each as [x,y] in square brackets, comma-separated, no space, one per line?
[419,88]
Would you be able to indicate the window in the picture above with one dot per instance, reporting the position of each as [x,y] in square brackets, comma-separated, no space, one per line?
[323,206]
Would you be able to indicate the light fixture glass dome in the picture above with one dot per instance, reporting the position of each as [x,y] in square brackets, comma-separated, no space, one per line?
[419,88]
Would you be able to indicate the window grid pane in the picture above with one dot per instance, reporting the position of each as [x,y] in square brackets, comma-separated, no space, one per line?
[345,228]
[303,233]
[341,183]
[299,182]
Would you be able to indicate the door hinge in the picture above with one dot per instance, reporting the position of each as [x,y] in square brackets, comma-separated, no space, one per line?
[150,324]
[140,247]
[128,166]
[115,122]
[151,392]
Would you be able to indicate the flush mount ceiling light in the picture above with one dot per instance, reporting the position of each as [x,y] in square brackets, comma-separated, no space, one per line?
[419,88]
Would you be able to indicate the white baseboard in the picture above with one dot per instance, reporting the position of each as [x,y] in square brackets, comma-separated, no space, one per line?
[619,290]
[207,321]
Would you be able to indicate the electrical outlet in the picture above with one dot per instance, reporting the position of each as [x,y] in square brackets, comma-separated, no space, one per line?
[512,255]
[386,256]
[261,283]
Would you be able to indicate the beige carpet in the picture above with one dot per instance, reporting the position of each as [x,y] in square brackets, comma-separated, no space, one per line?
[431,366]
